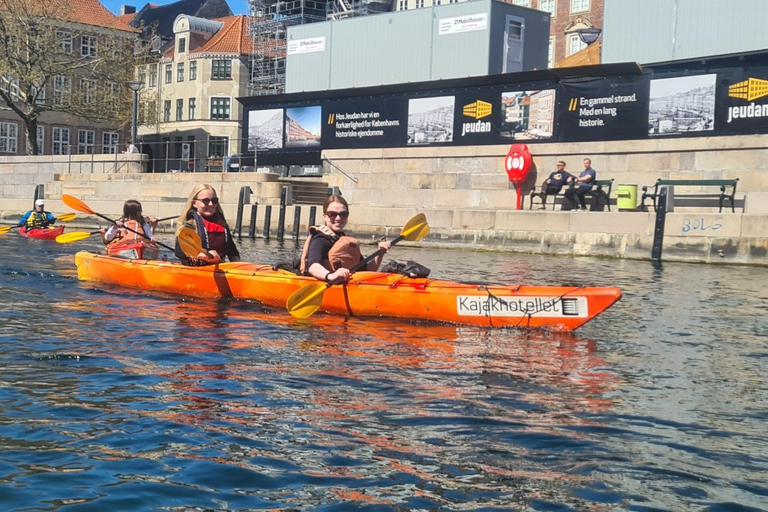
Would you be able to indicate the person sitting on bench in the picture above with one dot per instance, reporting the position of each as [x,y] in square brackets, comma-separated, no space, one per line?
[555,182]
[584,184]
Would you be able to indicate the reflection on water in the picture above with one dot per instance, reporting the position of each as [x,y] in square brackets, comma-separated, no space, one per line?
[112,399]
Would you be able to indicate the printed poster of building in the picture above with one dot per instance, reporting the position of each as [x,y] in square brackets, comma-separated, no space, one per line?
[430,120]
[682,105]
[265,129]
[302,127]
[528,115]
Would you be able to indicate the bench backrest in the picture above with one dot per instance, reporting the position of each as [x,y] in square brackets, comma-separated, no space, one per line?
[696,183]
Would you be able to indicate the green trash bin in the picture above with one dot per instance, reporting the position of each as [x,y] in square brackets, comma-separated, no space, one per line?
[626,198]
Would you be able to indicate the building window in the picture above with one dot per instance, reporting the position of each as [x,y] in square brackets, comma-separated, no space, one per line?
[168,73]
[85,141]
[547,6]
[38,93]
[192,107]
[219,108]
[60,141]
[62,88]
[436,2]
[551,55]
[109,142]
[88,46]
[193,70]
[41,139]
[166,111]
[153,75]
[88,88]
[66,41]
[10,86]
[419,4]
[217,146]
[222,69]
[524,3]
[179,109]
[143,75]
[180,72]
[182,45]
[8,137]
[402,5]
[579,5]
[575,44]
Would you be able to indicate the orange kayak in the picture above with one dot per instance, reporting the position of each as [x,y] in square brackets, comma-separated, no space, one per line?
[48,233]
[368,294]
[134,249]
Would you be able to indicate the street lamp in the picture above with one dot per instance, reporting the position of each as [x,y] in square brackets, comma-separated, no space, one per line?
[135,86]
[589,35]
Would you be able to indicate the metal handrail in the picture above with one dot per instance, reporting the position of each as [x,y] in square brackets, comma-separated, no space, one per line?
[332,164]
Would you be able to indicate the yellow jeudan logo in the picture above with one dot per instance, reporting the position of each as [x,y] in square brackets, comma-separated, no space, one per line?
[749,89]
[478,109]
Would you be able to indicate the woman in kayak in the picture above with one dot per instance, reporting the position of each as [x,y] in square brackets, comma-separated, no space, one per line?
[202,212]
[329,253]
[138,226]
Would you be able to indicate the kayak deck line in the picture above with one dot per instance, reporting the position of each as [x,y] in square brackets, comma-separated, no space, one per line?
[367,294]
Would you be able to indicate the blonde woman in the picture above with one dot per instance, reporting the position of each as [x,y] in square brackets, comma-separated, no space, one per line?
[202,212]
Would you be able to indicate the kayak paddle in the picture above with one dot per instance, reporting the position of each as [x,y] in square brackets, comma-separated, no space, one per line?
[80,206]
[308,299]
[190,243]
[76,236]
[64,217]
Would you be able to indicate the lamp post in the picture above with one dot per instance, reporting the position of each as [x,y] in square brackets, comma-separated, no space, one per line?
[135,86]
[589,35]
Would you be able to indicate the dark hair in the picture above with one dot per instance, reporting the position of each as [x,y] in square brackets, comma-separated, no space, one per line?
[132,211]
[334,199]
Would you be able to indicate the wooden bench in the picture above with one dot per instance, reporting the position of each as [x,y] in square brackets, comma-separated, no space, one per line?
[601,191]
[723,185]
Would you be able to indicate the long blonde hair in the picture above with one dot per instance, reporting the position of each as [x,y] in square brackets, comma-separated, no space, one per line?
[182,220]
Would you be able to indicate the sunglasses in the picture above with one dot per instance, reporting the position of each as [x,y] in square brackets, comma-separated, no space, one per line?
[333,215]
[208,200]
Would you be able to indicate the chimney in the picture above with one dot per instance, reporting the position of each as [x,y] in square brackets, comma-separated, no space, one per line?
[127,9]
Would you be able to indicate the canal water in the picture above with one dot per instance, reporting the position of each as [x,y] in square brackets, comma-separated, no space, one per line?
[113,400]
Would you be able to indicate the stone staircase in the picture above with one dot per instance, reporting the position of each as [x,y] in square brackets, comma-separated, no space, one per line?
[311,191]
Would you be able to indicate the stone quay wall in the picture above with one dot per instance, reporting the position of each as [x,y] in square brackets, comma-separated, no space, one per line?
[467,198]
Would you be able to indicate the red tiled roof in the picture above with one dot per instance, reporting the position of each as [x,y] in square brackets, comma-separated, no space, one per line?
[234,37]
[126,18]
[87,12]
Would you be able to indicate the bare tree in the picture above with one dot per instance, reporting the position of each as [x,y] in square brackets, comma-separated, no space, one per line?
[51,62]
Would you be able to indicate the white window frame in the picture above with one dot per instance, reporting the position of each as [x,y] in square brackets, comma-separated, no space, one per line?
[168,73]
[153,75]
[228,106]
[419,4]
[575,44]
[551,53]
[580,5]
[9,137]
[402,5]
[62,88]
[60,143]
[110,141]
[89,88]
[86,142]
[524,3]
[89,45]
[66,41]
[41,138]
[549,6]
[180,72]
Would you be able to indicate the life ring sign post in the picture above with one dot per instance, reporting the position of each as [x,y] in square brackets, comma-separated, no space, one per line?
[518,165]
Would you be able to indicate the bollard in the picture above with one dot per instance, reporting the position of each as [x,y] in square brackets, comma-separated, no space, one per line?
[312,213]
[267,220]
[252,225]
[244,198]
[281,215]
[296,222]
[658,233]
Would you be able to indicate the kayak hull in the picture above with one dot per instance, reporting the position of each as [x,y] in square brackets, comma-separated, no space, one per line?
[368,294]
[134,249]
[42,233]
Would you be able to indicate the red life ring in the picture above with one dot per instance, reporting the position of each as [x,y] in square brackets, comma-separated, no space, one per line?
[518,163]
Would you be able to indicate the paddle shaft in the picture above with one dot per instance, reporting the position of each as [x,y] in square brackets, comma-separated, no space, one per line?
[132,231]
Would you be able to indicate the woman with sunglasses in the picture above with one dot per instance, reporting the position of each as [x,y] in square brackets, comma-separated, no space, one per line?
[329,253]
[202,212]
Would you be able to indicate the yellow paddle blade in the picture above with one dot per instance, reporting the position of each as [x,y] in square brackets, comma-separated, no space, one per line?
[76,204]
[306,300]
[66,217]
[75,236]
[416,228]
[4,229]
[190,242]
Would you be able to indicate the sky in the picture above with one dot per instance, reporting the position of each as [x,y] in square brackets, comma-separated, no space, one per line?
[237,6]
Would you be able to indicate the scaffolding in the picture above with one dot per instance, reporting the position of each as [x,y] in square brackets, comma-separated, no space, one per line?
[271,20]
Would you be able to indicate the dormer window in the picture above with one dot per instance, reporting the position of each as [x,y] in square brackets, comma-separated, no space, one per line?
[182,45]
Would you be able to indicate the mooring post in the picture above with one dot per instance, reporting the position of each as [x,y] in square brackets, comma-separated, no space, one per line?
[296,222]
[661,218]
[244,198]
[267,220]
[252,225]
[312,214]
[281,215]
